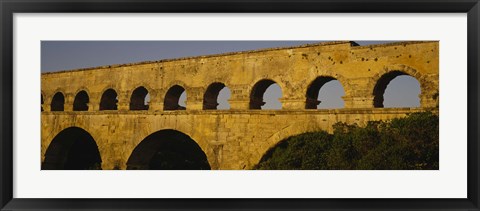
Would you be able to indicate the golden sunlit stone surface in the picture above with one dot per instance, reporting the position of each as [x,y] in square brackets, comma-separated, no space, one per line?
[239,137]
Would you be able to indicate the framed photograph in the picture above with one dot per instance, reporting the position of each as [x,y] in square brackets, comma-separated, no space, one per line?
[260,105]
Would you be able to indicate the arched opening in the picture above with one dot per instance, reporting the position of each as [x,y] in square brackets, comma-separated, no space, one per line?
[396,89]
[138,100]
[58,102]
[41,101]
[298,152]
[168,150]
[324,92]
[72,149]
[216,97]
[109,100]
[174,97]
[265,95]
[81,101]
[223,97]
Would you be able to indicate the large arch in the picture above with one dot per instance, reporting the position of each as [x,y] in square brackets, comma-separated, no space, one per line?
[109,100]
[210,98]
[313,90]
[138,99]
[58,102]
[168,150]
[72,149]
[381,86]
[172,97]
[81,101]
[293,145]
[293,129]
[258,90]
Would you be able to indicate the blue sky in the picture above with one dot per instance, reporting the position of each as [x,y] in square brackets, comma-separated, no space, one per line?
[66,55]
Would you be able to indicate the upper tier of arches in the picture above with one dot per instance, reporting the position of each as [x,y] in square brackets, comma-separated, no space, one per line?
[172,99]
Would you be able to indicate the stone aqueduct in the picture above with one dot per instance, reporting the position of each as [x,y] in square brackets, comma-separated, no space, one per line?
[105,104]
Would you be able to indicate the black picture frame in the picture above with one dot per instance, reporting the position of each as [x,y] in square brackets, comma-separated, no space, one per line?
[9,7]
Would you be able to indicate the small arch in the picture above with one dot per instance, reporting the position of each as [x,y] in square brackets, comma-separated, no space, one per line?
[58,102]
[313,96]
[168,150]
[172,98]
[382,85]
[257,96]
[81,101]
[72,149]
[109,100]
[138,100]
[41,101]
[211,98]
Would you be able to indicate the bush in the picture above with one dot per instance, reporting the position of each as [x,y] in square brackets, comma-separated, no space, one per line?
[402,143]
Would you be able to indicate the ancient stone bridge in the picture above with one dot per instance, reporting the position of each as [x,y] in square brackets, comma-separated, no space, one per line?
[97,117]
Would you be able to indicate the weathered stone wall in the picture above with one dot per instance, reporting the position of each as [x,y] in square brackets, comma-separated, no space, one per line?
[237,138]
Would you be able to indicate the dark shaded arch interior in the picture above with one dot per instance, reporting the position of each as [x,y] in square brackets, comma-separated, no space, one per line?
[256,96]
[137,100]
[81,101]
[210,98]
[172,97]
[58,102]
[41,100]
[109,100]
[168,150]
[313,89]
[72,149]
[381,85]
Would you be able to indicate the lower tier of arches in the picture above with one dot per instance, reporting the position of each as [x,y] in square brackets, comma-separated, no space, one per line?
[193,140]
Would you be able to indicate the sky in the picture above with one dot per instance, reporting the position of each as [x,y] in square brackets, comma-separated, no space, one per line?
[403,91]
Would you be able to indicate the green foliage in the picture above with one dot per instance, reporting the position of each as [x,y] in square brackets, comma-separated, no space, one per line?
[403,143]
